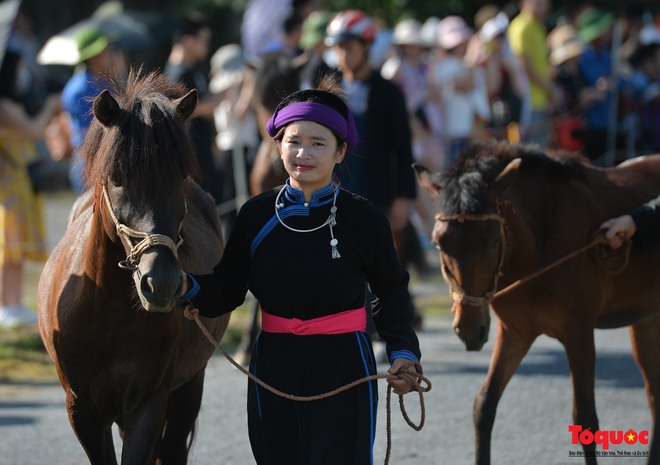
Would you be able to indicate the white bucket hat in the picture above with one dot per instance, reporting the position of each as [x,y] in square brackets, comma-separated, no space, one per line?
[408,32]
[452,32]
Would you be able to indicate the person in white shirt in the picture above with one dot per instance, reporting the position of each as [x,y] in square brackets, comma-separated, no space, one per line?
[461,87]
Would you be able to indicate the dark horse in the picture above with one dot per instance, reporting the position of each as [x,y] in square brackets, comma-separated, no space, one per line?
[507,211]
[124,352]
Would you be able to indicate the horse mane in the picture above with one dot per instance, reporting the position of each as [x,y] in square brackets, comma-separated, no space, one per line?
[147,147]
[465,184]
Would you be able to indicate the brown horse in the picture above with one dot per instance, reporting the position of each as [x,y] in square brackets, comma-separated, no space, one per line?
[123,350]
[507,211]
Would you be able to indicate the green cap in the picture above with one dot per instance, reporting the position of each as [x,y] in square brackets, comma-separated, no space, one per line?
[593,23]
[313,29]
[91,42]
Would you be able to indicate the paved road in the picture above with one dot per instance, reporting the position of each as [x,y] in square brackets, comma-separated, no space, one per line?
[531,427]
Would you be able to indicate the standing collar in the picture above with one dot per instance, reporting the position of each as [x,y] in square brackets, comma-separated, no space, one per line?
[322,196]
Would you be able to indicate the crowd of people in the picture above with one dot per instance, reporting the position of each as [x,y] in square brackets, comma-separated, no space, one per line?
[299,122]
[420,90]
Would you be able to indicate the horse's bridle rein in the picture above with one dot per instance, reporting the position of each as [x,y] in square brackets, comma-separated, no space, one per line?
[147,240]
[458,294]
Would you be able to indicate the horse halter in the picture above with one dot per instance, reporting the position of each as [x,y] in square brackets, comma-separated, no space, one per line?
[147,240]
[458,294]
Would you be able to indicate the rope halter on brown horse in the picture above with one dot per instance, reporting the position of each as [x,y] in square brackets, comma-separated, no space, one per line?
[458,294]
[147,240]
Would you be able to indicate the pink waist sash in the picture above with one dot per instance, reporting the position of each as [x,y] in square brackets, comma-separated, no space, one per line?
[339,323]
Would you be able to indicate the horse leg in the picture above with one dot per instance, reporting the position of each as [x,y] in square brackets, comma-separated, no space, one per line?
[508,352]
[646,350]
[95,438]
[581,353]
[182,410]
[142,428]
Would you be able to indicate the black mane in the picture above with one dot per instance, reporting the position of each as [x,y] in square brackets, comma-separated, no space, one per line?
[147,147]
[465,184]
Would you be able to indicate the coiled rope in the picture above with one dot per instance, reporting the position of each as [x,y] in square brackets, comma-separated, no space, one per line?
[416,379]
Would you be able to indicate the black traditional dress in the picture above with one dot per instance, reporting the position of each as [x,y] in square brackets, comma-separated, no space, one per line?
[294,276]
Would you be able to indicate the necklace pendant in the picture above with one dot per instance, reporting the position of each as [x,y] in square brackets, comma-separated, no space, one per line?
[333,245]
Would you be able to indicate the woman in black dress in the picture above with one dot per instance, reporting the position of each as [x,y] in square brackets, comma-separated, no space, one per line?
[305,250]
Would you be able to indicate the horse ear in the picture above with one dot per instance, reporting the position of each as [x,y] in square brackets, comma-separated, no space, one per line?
[186,104]
[425,179]
[506,177]
[106,108]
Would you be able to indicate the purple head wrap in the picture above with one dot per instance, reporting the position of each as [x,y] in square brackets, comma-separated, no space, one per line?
[318,113]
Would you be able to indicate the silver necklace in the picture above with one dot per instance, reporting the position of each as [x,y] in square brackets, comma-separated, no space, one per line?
[331,221]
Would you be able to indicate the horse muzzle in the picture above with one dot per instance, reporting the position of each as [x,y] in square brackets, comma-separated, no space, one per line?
[471,325]
[159,288]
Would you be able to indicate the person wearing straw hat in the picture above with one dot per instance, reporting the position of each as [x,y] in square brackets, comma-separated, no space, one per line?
[506,80]
[596,68]
[566,48]
[97,58]
[306,250]
[409,69]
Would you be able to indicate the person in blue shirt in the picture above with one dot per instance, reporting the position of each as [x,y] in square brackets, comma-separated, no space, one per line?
[97,59]
[597,72]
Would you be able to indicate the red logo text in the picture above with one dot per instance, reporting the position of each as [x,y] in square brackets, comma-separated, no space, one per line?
[605,438]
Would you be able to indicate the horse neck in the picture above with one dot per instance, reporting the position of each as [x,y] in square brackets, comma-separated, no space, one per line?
[532,219]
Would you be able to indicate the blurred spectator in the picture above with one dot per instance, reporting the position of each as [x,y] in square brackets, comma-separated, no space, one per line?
[311,62]
[289,40]
[632,20]
[236,127]
[506,81]
[484,14]
[461,86]
[22,235]
[408,68]
[379,167]
[596,68]
[381,47]
[274,77]
[429,32]
[645,88]
[527,36]
[97,59]
[263,22]
[566,48]
[189,50]
[32,77]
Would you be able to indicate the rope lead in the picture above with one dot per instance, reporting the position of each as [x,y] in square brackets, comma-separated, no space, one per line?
[419,383]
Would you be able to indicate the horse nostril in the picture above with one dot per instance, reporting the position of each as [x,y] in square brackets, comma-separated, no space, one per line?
[147,285]
[482,333]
